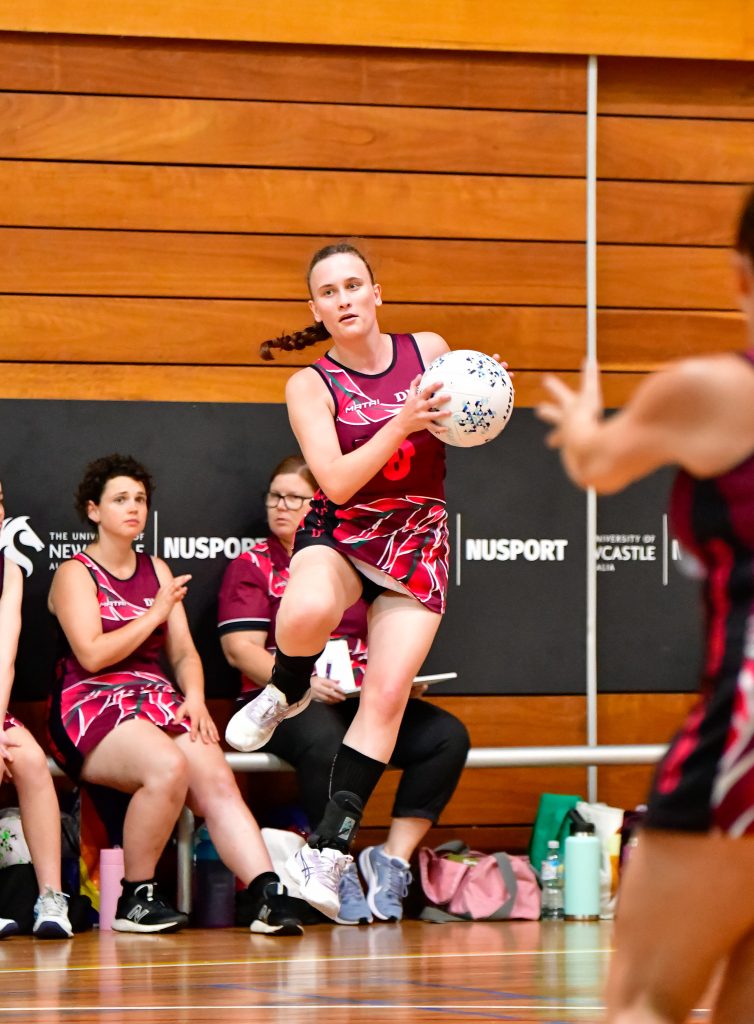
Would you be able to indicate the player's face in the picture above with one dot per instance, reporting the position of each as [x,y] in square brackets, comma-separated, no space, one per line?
[284,521]
[343,295]
[122,509]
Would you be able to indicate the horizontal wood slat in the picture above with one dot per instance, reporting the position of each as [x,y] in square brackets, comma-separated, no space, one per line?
[685,28]
[670,149]
[683,88]
[103,128]
[665,278]
[174,331]
[157,383]
[629,339]
[40,328]
[260,71]
[668,213]
[336,203]
[265,266]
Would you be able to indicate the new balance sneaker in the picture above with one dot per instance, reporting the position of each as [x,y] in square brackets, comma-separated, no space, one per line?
[251,727]
[388,879]
[51,916]
[274,914]
[317,874]
[146,911]
[354,908]
[8,927]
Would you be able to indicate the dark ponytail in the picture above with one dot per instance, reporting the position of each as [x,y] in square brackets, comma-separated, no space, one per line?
[295,341]
[316,332]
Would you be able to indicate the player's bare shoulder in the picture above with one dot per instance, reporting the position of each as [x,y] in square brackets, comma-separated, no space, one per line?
[431,345]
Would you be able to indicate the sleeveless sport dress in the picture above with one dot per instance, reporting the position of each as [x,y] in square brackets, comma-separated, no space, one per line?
[706,780]
[394,529]
[10,722]
[85,708]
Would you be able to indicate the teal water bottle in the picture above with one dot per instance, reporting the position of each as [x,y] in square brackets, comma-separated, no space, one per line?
[582,871]
[215,886]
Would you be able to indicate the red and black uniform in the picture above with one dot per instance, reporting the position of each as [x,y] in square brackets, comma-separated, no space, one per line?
[394,529]
[706,780]
[10,722]
[250,595]
[85,708]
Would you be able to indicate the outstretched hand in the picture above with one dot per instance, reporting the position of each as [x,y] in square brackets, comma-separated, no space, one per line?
[566,404]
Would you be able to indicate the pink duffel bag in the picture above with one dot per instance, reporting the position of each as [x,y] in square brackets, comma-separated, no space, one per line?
[460,884]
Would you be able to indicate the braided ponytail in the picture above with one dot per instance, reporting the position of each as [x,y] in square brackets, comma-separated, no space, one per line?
[316,332]
[296,341]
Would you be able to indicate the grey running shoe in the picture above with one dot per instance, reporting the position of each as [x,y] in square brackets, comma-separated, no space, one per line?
[51,916]
[388,879]
[354,908]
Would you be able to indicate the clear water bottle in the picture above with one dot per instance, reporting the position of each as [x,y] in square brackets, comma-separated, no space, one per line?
[552,883]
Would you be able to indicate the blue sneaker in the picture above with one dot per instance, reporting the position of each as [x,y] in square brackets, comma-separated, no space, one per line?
[354,908]
[388,879]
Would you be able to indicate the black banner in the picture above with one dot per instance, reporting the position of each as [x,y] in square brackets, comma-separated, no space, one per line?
[516,615]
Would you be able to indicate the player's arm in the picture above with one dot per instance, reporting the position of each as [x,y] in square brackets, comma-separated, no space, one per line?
[245,650]
[311,414]
[658,426]
[73,600]
[10,628]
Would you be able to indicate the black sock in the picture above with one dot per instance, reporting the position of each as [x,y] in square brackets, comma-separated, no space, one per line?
[355,772]
[129,888]
[340,822]
[292,675]
[256,886]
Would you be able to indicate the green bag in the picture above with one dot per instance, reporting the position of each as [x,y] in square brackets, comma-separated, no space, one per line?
[551,822]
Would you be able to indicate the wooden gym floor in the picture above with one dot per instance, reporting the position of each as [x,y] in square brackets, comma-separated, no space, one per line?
[544,972]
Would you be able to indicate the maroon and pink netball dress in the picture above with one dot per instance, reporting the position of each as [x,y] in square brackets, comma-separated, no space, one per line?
[249,599]
[10,722]
[706,780]
[85,708]
[394,530]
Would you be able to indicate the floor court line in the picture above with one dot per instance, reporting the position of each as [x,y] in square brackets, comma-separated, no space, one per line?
[360,958]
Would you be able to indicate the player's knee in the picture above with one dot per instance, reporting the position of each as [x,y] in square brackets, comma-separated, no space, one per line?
[310,614]
[28,756]
[169,772]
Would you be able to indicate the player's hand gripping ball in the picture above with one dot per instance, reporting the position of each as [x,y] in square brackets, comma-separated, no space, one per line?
[481,396]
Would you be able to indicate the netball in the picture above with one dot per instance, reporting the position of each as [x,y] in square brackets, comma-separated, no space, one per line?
[481,396]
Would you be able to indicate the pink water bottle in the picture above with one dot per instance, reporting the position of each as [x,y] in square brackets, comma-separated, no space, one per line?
[110,876]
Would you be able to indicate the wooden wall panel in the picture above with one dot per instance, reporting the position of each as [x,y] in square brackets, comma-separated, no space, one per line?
[273,266]
[320,74]
[282,202]
[51,126]
[670,277]
[685,28]
[668,213]
[681,88]
[227,332]
[675,149]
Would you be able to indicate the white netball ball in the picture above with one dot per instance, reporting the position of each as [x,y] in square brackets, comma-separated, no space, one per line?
[481,396]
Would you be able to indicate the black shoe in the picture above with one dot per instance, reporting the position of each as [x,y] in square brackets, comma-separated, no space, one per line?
[274,912]
[146,911]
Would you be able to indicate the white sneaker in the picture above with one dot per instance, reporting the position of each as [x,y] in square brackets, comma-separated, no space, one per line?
[8,927]
[251,727]
[51,916]
[317,874]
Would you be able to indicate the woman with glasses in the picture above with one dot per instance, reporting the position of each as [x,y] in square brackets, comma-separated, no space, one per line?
[685,914]
[377,528]
[431,746]
[117,720]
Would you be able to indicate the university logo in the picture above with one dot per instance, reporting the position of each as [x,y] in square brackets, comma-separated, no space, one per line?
[16,531]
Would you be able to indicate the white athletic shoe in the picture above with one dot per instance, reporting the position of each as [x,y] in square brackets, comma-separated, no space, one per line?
[51,916]
[317,874]
[8,927]
[251,727]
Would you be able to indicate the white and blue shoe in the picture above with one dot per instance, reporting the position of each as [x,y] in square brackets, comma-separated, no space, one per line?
[8,927]
[51,916]
[388,879]
[354,908]
[252,726]
[317,873]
